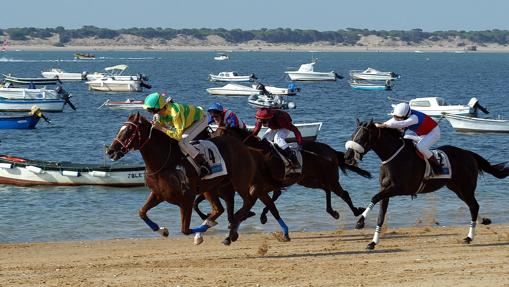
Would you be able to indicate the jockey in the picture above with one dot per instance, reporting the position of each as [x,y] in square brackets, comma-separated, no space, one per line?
[224,117]
[421,124]
[279,125]
[181,122]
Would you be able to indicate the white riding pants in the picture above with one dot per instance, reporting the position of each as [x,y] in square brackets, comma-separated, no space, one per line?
[277,136]
[189,134]
[427,141]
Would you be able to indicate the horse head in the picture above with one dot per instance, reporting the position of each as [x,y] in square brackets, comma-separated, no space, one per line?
[132,135]
[363,139]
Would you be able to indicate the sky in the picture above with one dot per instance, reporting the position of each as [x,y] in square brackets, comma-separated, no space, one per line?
[321,15]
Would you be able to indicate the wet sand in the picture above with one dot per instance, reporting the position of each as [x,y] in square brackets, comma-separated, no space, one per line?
[416,256]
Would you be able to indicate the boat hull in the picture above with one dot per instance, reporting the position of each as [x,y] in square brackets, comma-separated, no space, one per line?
[215,78]
[471,124]
[18,122]
[371,87]
[56,105]
[64,76]
[22,93]
[115,86]
[22,172]
[126,105]
[311,76]
[26,81]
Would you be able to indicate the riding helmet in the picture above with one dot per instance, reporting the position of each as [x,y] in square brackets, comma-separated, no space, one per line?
[401,110]
[215,107]
[154,101]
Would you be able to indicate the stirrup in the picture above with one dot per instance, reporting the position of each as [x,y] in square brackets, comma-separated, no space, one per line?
[204,171]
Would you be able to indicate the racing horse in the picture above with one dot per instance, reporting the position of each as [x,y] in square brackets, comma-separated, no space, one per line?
[171,178]
[320,169]
[403,171]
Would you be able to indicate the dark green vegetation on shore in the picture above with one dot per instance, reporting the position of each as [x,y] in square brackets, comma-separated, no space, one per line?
[348,36]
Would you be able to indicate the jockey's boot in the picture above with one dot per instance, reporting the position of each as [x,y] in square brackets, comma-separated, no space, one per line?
[292,157]
[204,166]
[435,165]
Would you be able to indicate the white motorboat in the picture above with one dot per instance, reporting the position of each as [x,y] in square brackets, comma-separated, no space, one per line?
[371,85]
[64,76]
[23,93]
[231,77]
[233,90]
[270,101]
[114,81]
[306,73]
[436,106]
[25,105]
[473,124]
[309,131]
[128,104]
[221,57]
[373,75]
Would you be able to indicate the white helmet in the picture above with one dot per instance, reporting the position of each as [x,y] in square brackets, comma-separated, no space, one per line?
[401,110]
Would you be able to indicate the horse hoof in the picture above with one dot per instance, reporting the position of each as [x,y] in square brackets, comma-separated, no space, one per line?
[198,240]
[334,214]
[263,219]
[359,225]
[371,246]
[485,221]
[467,240]
[234,236]
[250,214]
[227,241]
[163,231]
[280,236]
[359,211]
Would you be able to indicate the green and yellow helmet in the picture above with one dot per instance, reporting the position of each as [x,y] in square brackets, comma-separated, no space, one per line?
[154,101]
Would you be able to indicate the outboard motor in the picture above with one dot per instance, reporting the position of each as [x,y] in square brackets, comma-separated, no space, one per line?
[142,77]
[338,76]
[253,77]
[65,96]
[145,85]
[261,87]
[84,75]
[394,75]
[474,104]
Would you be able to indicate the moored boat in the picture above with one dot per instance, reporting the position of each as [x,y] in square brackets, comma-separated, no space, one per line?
[373,75]
[231,77]
[25,172]
[306,72]
[270,101]
[309,131]
[30,81]
[64,76]
[473,124]
[128,104]
[437,106]
[233,90]
[25,105]
[18,121]
[25,93]
[84,56]
[364,85]
[221,57]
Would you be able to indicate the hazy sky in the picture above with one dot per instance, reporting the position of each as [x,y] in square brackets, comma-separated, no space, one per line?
[322,15]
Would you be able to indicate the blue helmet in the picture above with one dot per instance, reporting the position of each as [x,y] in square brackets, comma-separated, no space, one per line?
[215,107]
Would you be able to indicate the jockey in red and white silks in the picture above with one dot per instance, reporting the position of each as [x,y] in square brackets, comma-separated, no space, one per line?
[421,124]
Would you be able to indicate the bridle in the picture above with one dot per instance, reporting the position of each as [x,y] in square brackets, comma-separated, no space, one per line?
[128,144]
[357,147]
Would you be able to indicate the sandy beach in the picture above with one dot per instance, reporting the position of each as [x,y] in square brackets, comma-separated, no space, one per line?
[415,256]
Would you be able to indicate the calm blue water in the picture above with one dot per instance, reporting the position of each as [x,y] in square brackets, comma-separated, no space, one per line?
[76,213]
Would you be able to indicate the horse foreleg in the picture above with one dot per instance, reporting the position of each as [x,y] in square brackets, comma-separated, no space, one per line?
[275,195]
[264,197]
[381,219]
[210,221]
[339,191]
[196,207]
[241,215]
[328,205]
[374,200]
[151,202]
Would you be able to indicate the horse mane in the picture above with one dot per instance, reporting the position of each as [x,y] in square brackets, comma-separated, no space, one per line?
[145,123]
[395,133]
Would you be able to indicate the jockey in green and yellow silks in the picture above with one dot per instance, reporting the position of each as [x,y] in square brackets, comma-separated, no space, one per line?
[182,122]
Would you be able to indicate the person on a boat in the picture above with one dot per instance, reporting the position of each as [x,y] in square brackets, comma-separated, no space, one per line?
[403,117]
[182,122]
[279,124]
[224,117]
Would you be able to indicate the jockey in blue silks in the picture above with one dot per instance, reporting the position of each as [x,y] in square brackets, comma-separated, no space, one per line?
[224,117]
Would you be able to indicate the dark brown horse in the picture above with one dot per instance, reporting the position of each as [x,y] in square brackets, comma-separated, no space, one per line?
[173,179]
[402,171]
[320,168]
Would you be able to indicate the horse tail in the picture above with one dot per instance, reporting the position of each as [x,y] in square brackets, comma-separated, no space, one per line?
[344,166]
[498,170]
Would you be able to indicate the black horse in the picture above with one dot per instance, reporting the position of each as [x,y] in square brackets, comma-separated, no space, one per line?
[402,171]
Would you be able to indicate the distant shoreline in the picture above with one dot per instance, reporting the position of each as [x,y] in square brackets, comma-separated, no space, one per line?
[255,48]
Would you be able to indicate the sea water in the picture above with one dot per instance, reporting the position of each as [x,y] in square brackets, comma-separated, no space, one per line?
[29,214]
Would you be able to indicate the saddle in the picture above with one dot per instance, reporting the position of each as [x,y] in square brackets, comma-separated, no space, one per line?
[289,167]
[212,156]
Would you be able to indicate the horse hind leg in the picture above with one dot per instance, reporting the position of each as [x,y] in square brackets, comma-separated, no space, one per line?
[468,196]
[151,202]
[273,210]
[275,195]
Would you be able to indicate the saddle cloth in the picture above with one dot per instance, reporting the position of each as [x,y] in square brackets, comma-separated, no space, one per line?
[214,158]
[288,167]
[443,159]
